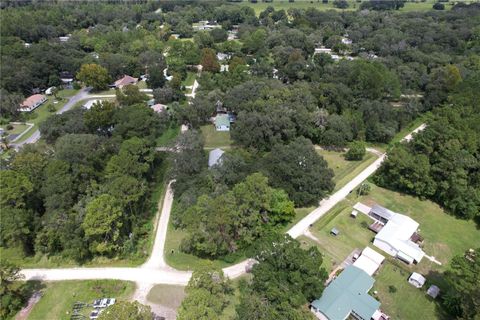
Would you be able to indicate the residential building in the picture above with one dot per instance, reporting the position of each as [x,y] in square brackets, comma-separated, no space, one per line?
[347,297]
[215,157]
[159,107]
[126,80]
[222,122]
[67,79]
[32,102]
[369,261]
[395,236]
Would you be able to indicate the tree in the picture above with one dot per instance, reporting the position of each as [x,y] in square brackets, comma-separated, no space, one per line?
[15,189]
[300,171]
[9,103]
[99,118]
[219,35]
[190,158]
[209,61]
[438,6]
[163,95]
[463,279]
[16,228]
[156,79]
[356,152]
[130,95]
[124,310]
[341,4]
[383,4]
[102,223]
[94,75]
[11,289]
[206,297]
[285,278]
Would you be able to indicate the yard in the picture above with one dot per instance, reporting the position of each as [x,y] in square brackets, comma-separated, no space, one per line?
[445,236]
[168,136]
[345,170]
[215,139]
[59,297]
[170,296]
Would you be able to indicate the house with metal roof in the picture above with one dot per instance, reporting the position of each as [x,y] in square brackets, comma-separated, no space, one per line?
[222,122]
[347,296]
[215,157]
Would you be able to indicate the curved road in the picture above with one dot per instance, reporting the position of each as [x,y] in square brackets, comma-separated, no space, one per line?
[156,271]
[82,94]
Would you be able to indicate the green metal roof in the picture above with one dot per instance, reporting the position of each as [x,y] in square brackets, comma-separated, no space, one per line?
[222,120]
[348,293]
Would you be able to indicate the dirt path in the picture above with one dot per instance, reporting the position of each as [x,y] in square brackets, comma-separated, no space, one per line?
[25,312]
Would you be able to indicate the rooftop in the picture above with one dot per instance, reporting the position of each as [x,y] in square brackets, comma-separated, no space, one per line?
[222,120]
[346,294]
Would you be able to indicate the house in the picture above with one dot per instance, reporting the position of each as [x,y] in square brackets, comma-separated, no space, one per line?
[395,237]
[66,78]
[65,38]
[222,122]
[159,107]
[223,56]
[417,280]
[323,50]
[49,91]
[126,80]
[215,157]
[32,102]
[369,261]
[347,297]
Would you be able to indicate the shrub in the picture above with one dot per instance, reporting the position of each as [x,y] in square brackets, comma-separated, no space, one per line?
[439,6]
[356,152]
[392,289]
[9,127]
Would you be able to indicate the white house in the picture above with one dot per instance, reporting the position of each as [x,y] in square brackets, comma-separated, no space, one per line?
[32,102]
[369,261]
[395,236]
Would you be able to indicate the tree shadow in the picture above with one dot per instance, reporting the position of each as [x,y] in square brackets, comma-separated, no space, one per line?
[31,287]
[438,279]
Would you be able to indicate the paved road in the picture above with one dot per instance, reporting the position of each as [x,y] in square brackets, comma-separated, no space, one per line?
[82,94]
[156,271]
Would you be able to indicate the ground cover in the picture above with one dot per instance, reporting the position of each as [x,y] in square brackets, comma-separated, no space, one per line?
[215,139]
[343,169]
[168,136]
[170,296]
[58,297]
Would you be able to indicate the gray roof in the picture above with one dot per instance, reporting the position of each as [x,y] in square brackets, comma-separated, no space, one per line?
[383,212]
[214,157]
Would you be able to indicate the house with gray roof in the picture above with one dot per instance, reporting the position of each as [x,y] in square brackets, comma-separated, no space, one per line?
[215,157]
[347,297]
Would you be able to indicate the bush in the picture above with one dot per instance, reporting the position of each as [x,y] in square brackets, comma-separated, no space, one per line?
[51,108]
[356,152]
[392,289]
[340,4]
[9,127]
[364,189]
[439,6]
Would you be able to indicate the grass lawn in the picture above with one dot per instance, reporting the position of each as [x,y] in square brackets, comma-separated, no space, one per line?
[345,170]
[407,302]
[300,213]
[445,236]
[168,136]
[170,296]
[59,297]
[215,139]
[190,79]
[17,128]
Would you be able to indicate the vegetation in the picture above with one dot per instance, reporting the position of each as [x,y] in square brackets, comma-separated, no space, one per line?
[127,311]
[59,297]
[12,293]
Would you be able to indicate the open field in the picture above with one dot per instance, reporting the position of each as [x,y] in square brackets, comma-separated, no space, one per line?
[445,236]
[215,139]
[169,296]
[319,5]
[345,170]
[59,297]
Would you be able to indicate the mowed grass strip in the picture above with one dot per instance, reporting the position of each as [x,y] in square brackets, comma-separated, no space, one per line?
[215,139]
[59,297]
[345,170]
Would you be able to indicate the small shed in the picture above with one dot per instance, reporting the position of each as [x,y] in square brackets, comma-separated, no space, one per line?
[433,291]
[334,231]
[215,157]
[417,280]
[354,213]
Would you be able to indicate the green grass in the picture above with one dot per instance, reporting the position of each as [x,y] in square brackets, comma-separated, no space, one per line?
[190,79]
[168,136]
[300,213]
[407,302]
[17,128]
[215,139]
[170,296]
[59,297]
[345,170]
